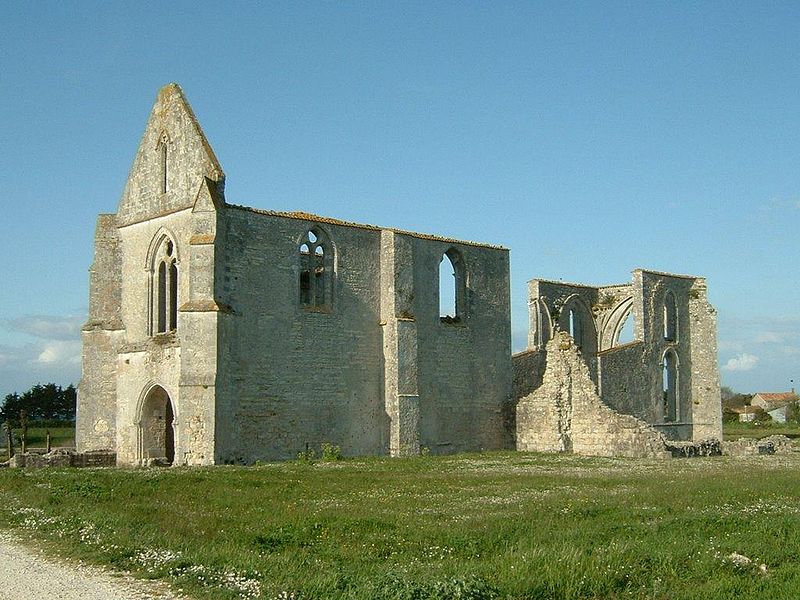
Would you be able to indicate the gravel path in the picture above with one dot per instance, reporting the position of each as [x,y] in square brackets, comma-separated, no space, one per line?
[26,574]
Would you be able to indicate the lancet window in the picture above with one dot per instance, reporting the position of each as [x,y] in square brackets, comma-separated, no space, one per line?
[164,287]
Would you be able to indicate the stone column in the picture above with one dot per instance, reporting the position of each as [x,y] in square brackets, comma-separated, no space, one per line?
[401,394]
[706,401]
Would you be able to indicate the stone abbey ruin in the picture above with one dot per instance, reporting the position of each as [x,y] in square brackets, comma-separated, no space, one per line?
[224,334]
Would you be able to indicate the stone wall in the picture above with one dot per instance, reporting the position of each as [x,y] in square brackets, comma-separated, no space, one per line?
[565,414]
[102,335]
[705,386]
[173,190]
[374,372]
[292,375]
[61,457]
[672,323]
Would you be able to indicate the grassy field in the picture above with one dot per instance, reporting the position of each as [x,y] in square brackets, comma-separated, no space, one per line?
[735,430]
[492,525]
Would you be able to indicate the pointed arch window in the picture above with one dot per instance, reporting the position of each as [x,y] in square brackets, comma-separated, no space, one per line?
[163,287]
[452,287]
[669,383]
[575,318]
[316,270]
[163,143]
[670,318]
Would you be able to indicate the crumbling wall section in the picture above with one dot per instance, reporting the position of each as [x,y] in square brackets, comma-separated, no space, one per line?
[528,371]
[667,375]
[565,414]
[570,307]
[102,334]
[705,387]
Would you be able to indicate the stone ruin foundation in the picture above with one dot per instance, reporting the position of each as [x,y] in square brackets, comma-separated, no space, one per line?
[565,414]
[62,457]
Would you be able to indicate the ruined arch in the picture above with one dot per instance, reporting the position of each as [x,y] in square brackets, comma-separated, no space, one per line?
[156,426]
[452,293]
[669,386]
[615,323]
[541,323]
[575,318]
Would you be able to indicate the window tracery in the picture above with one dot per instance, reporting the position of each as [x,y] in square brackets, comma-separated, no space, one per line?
[164,287]
[316,270]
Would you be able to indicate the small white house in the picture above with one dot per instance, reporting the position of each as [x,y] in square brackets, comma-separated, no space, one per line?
[776,405]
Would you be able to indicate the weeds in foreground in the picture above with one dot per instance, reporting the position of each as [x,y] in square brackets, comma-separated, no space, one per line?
[493,525]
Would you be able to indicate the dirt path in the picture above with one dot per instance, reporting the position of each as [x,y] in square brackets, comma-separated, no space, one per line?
[26,574]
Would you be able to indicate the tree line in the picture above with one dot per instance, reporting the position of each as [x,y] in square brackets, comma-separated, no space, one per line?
[42,403]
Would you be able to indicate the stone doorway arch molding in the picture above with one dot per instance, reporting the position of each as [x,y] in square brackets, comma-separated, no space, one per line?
[156,423]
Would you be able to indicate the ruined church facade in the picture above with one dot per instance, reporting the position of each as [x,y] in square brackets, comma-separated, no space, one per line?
[221,334]
[224,334]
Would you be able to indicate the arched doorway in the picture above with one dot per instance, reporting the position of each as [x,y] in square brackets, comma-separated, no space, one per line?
[157,428]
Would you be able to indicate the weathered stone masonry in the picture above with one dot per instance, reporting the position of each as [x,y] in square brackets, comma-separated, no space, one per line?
[219,333]
[665,379]
[224,334]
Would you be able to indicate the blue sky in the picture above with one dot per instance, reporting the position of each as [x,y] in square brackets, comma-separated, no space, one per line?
[589,138]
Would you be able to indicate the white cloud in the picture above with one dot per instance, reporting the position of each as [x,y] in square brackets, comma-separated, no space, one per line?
[59,352]
[51,354]
[730,346]
[769,337]
[741,362]
[48,327]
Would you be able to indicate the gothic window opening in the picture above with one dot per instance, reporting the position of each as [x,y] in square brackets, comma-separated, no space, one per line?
[575,318]
[670,318]
[316,270]
[574,326]
[161,325]
[452,287]
[164,288]
[627,332]
[670,386]
[163,142]
[173,296]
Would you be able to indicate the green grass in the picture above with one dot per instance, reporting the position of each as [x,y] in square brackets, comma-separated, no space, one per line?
[734,430]
[492,525]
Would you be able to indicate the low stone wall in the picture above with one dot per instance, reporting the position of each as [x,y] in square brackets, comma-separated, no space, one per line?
[774,444]
[62,457]
[709,447]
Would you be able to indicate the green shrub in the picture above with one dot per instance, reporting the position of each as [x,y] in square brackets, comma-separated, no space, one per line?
[331,453]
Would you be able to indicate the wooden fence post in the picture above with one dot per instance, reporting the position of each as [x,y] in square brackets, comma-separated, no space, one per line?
[23,422]
[9,440]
